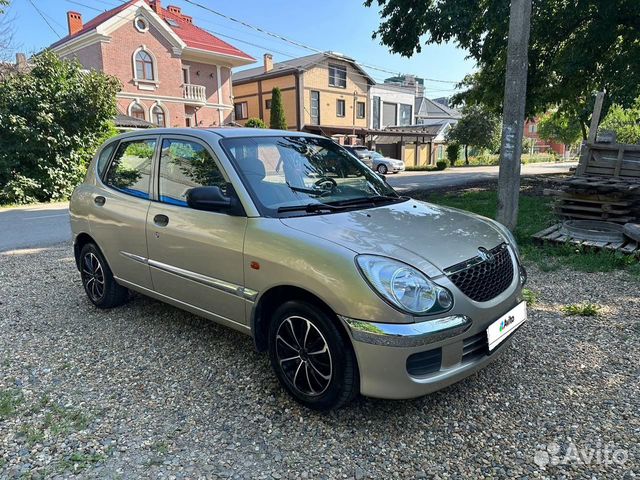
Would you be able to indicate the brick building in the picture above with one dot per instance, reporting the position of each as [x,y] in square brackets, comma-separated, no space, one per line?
[539,145]
[173,73]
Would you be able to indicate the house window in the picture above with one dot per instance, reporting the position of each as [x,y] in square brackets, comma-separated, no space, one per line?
[338,76]
[137,111]
[361,109]
[141,24]
[241,111]
[405,114]
[376,113]
[186,77]
[267,104]
[144,66]
[340,108]
[315,107]
[158,116]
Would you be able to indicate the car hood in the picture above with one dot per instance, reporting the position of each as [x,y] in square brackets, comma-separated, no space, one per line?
[427,236]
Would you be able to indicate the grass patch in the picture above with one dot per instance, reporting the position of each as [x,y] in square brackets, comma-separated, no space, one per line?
[32,435]
[62,421]
[10,399]
[529,296]
[535,215]
[79,461]
[582,309]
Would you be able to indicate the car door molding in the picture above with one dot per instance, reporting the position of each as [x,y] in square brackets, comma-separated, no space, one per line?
[222,285]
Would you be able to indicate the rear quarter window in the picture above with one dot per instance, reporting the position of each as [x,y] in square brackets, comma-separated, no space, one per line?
[103,158]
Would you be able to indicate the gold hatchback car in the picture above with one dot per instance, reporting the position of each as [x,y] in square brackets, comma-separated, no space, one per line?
[289,238]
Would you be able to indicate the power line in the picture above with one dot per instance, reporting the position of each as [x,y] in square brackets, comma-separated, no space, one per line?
[44,18]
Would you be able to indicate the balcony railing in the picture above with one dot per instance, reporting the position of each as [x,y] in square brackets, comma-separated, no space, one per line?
[196,93]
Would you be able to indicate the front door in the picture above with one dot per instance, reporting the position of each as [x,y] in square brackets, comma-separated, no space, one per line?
[195,256]
[121,206]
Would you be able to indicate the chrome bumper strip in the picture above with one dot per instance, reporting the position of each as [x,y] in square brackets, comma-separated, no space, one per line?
[407,334]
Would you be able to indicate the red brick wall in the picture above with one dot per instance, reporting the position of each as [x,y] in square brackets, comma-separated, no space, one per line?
[90,57]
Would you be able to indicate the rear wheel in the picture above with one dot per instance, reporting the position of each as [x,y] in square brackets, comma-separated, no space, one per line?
[100,286]
[311,358]
[382,169]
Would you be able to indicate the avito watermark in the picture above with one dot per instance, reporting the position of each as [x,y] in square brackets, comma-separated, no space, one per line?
[602,454]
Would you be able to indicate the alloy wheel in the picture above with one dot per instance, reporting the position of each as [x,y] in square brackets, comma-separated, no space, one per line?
[93,276]
[304,356]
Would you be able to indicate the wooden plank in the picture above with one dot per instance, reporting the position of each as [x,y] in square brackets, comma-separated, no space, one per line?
[628,147]
[630,247]
[595,118]
[614,246]
[547,231]
[585,155]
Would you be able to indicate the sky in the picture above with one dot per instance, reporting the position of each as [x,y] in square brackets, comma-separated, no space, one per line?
[343,26]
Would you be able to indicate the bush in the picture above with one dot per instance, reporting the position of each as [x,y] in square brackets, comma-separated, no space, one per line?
[255,123]
[441,165]
[52,119]
[453,152]
[277,120]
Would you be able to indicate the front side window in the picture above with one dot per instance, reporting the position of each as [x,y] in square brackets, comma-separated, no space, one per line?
[338,76]
[144,66]
[158,116]
[298,175]
[361,109]
[185,165]
[130,169]
[241,111]
[340,108]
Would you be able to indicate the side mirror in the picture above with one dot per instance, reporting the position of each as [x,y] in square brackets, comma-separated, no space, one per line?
[212,199]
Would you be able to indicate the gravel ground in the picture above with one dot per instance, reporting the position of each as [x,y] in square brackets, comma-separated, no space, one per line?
[149,391]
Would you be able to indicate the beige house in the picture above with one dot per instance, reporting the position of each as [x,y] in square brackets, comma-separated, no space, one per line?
[326,93]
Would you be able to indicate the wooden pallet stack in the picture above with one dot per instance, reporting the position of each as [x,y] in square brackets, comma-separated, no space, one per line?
[605,187]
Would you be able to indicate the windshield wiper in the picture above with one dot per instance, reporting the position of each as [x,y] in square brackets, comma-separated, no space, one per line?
[375,199]
[310,191]
[310,208]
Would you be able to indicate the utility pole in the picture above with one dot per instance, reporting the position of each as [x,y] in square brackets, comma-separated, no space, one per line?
[515,95]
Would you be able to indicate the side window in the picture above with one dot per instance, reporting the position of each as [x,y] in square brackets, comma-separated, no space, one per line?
[185,165]
[130,170]
[103,158]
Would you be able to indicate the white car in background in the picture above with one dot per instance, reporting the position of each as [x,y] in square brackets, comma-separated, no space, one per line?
[384,165]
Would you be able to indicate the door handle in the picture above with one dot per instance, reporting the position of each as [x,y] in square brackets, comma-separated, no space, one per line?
[99,200]
[161,220]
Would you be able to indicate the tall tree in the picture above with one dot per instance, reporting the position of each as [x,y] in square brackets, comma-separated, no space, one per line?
[559,127]
[52,118]
[478,128]
[277,119]
[625,122]
[577,47]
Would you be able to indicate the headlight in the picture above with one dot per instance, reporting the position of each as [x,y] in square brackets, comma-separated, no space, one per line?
[509,236]
[404,286]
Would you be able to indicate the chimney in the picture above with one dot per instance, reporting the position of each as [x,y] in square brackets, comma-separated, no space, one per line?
[175,10]
[21,60]
[74,20]
[187,18]
[268,62]
[156,5]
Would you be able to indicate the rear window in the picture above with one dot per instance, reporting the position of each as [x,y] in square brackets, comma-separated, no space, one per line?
[130,171]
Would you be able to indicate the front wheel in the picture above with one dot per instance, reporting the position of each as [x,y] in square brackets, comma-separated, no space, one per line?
[311,358]
[98,281]
[382,169]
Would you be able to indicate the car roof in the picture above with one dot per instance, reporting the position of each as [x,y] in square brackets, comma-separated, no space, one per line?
[224,132]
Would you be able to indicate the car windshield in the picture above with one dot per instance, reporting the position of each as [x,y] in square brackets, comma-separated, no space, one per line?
[298,175]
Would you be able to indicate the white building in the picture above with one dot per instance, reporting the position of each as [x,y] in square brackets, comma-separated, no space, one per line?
[391,105]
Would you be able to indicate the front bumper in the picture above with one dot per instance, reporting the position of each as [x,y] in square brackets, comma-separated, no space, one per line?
[454,346]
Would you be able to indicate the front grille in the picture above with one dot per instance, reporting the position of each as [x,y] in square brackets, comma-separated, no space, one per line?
[424,363]
[481,280]
[475,347]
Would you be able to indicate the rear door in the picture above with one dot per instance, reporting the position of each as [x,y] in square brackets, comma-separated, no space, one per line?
[195,257]
[120,204]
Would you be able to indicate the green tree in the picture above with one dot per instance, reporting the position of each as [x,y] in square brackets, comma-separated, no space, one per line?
[576,48]
[3,4]
[559,127]
[478,127]
[255,123]
[625,122]
[52,119]
[277,120]
[453,152]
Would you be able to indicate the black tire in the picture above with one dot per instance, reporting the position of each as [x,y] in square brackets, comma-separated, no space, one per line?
[382,169]
[97,279]
[311,387]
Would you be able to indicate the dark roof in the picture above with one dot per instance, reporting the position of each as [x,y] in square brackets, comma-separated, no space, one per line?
[297,64]
[193,36]
[428,108]
[125,121]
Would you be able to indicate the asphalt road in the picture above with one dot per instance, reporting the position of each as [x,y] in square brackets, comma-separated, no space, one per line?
[44,225]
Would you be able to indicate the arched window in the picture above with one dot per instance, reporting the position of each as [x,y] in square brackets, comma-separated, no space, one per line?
[158,116]
[144,66]
[137,111]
